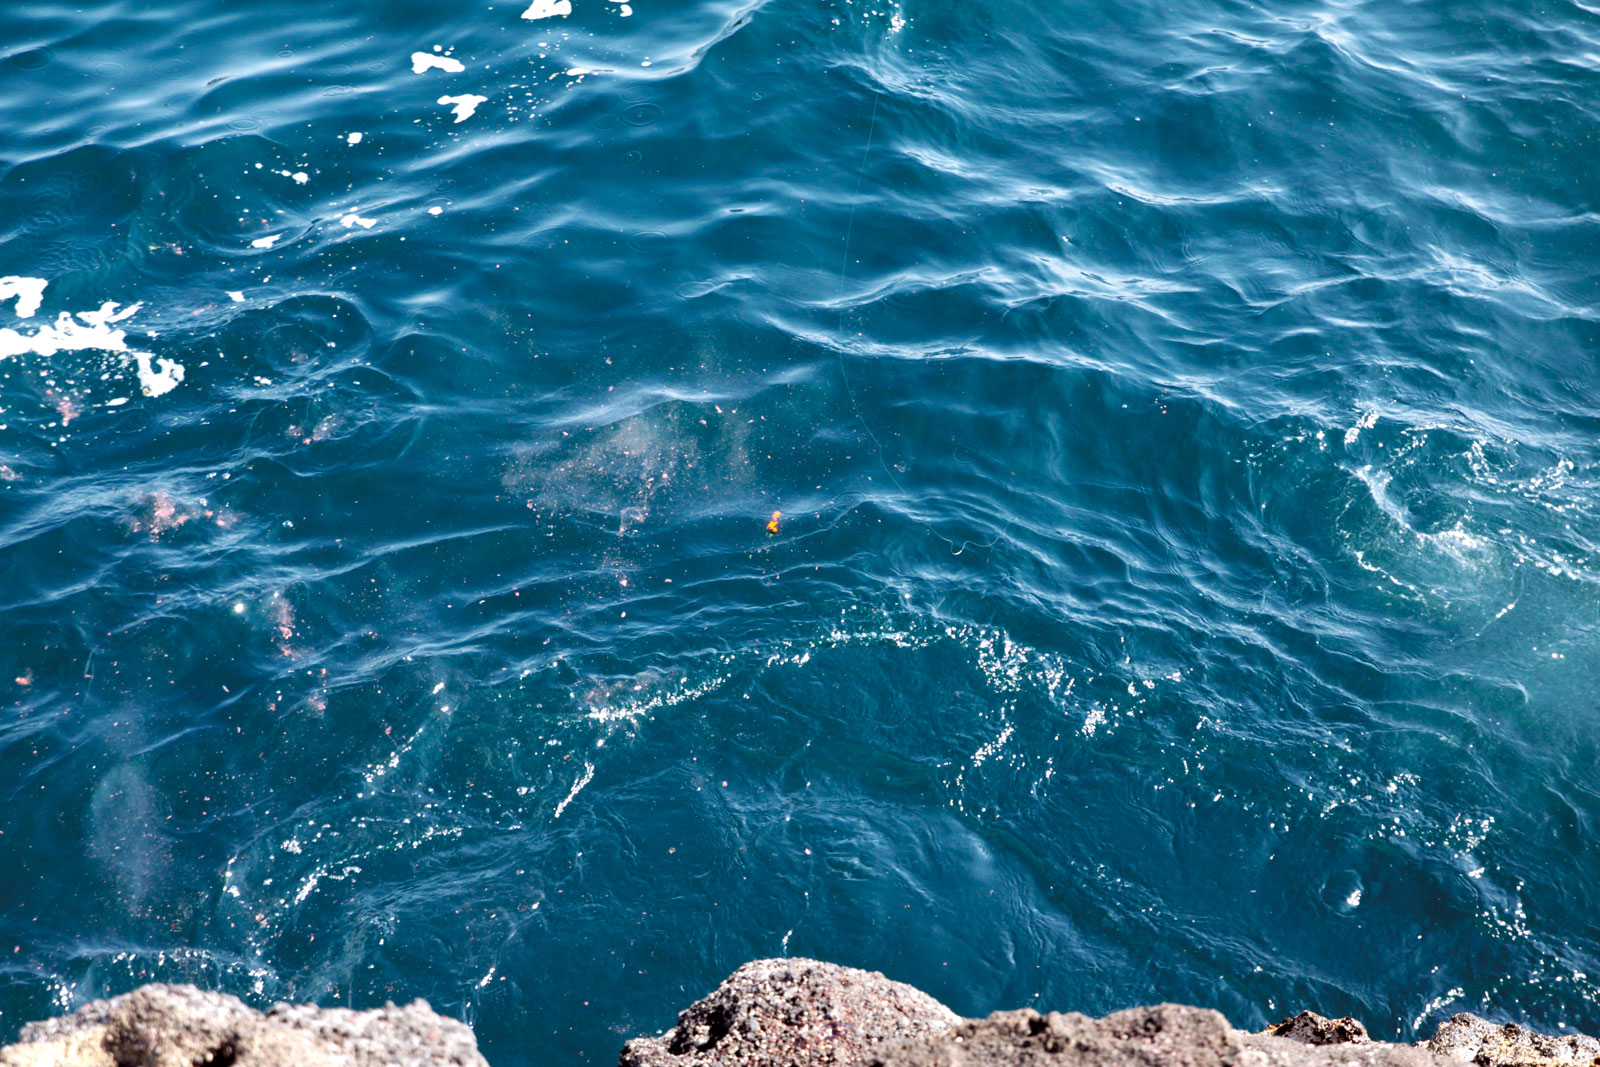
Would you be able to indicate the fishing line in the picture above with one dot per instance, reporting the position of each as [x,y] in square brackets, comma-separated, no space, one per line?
[844,373]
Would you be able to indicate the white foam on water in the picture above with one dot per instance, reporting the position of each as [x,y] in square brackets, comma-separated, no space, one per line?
[92,331]
[1368,419]
[464,105]
[352,220]
[266,242]
[28,291]
[423,61]
[161,377]
[543,9]
[577,787]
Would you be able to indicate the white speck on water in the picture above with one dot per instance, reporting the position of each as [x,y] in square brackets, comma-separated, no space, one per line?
[422,61]
[464,105]
[543,9]
[354,138]
[435,210]
[236,296]
[1354,899]
[266,242]
[28,291]
[353,220]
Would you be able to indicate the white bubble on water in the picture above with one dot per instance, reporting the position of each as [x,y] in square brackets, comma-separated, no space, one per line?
[543,9]
[463,105]
[422,61]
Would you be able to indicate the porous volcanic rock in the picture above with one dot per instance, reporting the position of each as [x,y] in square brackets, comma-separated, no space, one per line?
[181,1026]
[1165,1035]
[792,1013]
[1469,1039]
[1309,1028]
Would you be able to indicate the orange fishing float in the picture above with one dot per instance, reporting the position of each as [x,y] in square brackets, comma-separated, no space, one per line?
[772,523]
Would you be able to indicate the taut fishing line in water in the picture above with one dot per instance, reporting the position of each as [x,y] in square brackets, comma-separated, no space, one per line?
[844,373]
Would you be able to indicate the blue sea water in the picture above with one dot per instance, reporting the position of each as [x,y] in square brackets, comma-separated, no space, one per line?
[1177,424]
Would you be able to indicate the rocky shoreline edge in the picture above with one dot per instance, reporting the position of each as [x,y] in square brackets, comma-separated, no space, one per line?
[768,1013]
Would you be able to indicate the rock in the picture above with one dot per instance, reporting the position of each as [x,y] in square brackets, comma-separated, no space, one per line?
[792,1013]
[1467,1038]
[1309,1028]
[1166,1035]
[181,1026]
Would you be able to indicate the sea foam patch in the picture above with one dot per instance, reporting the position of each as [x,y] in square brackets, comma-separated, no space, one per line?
[28,291]
[422,61]
[463,105]
[87,331]
[543,9]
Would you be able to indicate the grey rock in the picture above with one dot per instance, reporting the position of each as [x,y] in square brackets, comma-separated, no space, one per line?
[1165,1035]
[1469,1039]
[181,1026]
[801,1013]
[792,1013]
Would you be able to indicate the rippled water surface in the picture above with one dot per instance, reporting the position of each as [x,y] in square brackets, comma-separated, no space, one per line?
[1068,504]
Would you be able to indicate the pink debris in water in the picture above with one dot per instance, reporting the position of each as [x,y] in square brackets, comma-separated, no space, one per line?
[165,514]
[65,406]
[324,429]
[282,614]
